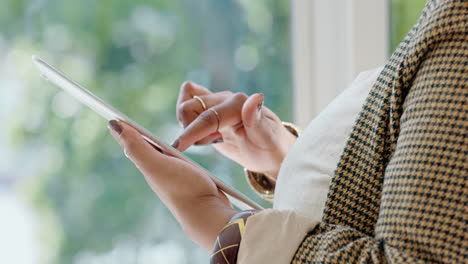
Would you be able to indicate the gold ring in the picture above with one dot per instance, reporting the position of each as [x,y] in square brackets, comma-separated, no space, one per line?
[217,117]
[201,101]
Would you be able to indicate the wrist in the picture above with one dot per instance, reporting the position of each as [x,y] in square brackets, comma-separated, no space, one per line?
[263,183]
[287,136]
[203,218]
[229,239]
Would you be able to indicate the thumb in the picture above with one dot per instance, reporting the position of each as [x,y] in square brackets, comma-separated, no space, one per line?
[255,121]
[252,110]
[140,152]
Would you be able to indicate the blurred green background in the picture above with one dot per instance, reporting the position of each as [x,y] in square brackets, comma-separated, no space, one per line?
[82,199]
[403,15]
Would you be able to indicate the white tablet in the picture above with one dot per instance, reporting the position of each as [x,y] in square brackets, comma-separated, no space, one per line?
[110,113]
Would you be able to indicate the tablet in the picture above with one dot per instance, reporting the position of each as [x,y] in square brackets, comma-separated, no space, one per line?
[110,113]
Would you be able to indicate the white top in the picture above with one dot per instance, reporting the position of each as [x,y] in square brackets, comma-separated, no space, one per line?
[306,171]
[303,180]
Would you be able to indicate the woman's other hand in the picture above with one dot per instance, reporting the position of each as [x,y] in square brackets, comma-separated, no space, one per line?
[188,192]
[247,132]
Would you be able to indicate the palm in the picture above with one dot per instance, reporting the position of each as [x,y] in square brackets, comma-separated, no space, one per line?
[252,134]
[252,153]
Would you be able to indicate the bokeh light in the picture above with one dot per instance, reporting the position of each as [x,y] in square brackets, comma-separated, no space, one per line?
[67,192]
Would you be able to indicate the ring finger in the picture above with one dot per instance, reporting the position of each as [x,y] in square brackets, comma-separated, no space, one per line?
[226,114]
[190,109]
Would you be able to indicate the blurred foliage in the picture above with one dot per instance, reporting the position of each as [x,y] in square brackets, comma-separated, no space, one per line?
[94,206]
[403,15]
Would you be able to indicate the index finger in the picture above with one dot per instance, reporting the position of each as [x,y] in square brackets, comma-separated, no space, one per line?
[210,121]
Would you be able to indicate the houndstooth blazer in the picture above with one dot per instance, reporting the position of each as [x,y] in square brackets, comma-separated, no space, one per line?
[399,192]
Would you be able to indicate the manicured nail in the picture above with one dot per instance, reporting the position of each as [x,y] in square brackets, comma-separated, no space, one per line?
[260,105]
[259,109]
[176,143]
[218,140]
[115,126]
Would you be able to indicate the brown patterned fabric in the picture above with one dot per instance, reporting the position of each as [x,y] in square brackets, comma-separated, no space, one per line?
[399,193]
[228,241]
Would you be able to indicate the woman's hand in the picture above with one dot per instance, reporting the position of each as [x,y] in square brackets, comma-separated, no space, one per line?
[188,192]
[249,133]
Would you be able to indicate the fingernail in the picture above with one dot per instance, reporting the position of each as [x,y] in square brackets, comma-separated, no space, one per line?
[218,140]
[259,110]
[115,126]
[176,143]
[260,105]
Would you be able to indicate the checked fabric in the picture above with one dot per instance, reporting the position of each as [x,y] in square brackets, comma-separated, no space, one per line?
[228,241]
[399,192]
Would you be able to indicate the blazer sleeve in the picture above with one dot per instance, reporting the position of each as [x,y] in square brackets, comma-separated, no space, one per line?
[422,216]
[422,212]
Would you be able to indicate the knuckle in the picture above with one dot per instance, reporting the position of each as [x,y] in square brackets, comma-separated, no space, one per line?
[225,93]
[240,97]
[185,113]
[207,117]
[183,109]
[186,86]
